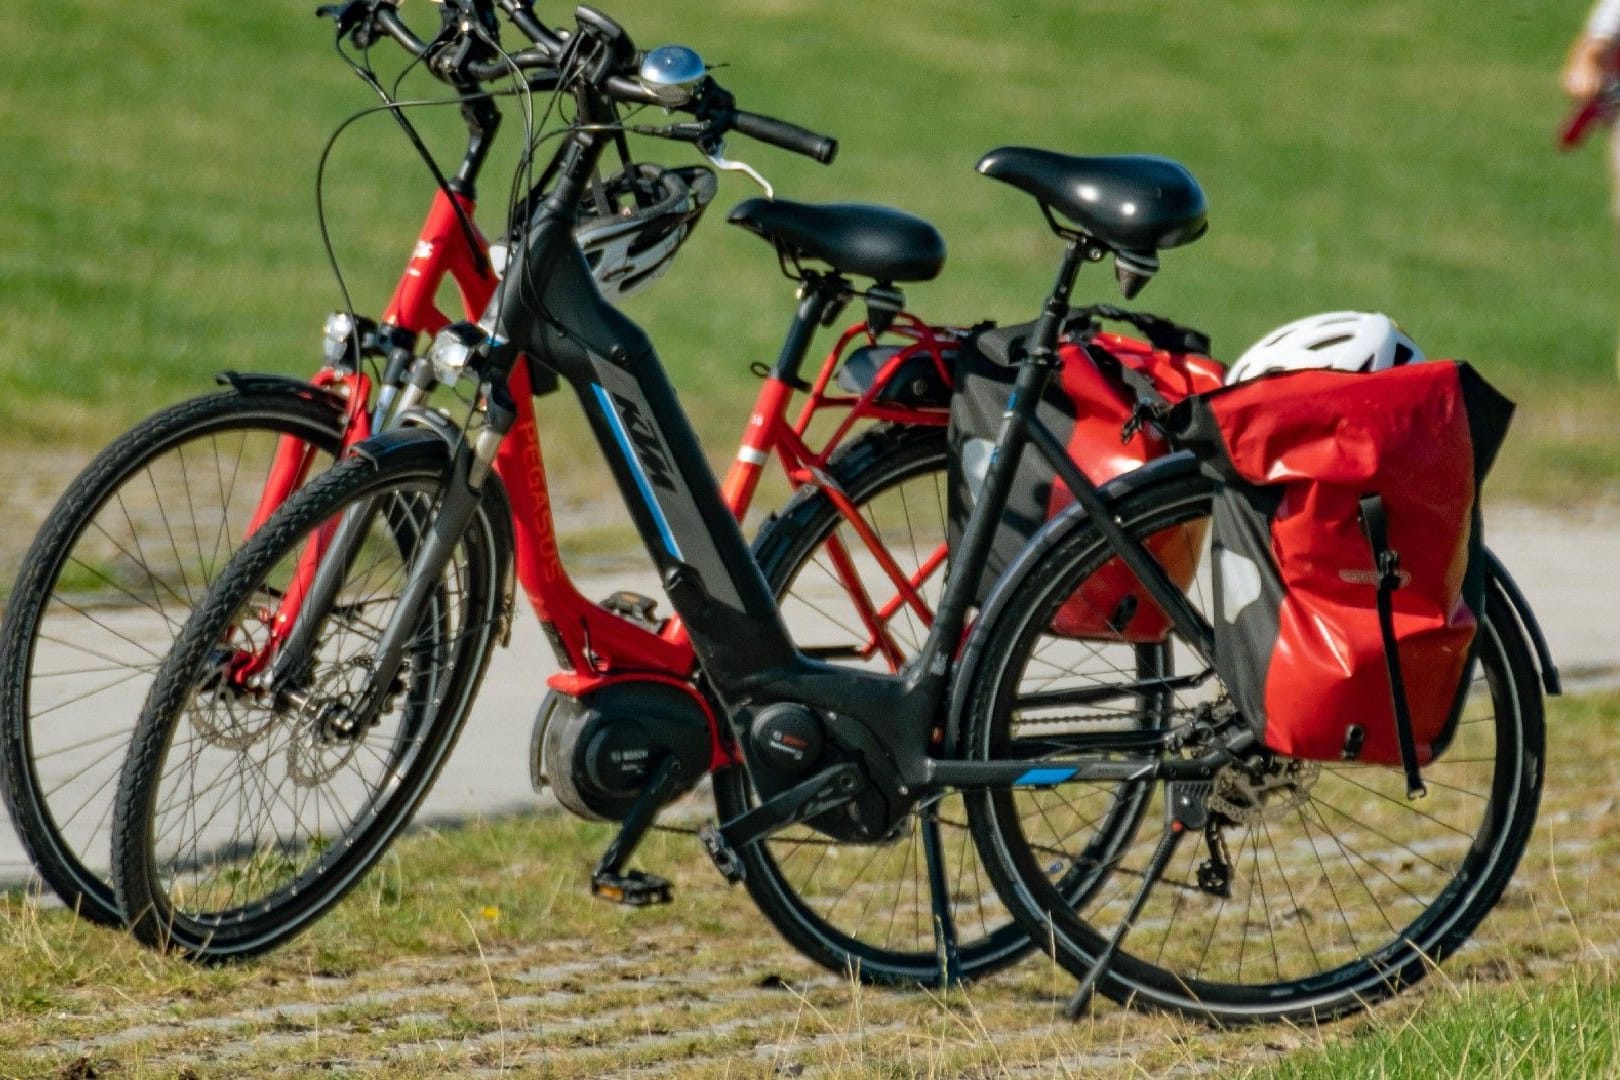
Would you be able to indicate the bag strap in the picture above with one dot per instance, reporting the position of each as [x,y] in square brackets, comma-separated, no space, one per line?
[1387,562]
[1150,406]
[1161,333]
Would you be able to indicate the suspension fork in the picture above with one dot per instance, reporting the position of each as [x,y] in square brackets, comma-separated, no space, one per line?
[289,471]
[458,502]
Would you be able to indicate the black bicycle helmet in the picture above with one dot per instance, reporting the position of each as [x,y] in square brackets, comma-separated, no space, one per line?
[634,223]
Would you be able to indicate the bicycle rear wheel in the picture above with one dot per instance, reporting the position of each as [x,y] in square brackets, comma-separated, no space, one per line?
[240,819]
[1338,891]
[867,909]
[110,578]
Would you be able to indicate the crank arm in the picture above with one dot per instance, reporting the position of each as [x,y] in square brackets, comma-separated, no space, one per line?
[827,790]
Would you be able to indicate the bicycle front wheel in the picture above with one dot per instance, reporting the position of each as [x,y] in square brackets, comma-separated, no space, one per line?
[111,577]
[1320,889]
[240,819]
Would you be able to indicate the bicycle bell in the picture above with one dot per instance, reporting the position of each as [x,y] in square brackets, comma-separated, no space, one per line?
[672,73]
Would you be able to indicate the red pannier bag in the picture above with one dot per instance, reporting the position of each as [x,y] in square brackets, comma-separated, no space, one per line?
[1348,562]
[1086,406]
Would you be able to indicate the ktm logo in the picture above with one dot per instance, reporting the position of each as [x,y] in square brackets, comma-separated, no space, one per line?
[645,440]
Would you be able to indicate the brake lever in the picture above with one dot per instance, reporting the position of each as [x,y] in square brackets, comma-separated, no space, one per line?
[348,16]
[713,151]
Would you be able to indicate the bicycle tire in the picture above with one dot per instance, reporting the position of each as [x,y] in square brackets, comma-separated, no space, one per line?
[846,912]
[1371,891]
[99,560]
[256,873]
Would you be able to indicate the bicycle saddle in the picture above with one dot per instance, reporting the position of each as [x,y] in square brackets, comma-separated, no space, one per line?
[853,238]
[1132,202]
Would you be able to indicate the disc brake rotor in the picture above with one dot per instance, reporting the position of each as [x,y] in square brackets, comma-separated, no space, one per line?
[1249,796]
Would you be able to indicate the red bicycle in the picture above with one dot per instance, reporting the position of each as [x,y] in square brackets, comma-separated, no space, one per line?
[143,531]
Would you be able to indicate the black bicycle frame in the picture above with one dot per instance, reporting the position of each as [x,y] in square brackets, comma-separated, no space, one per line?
[549,308]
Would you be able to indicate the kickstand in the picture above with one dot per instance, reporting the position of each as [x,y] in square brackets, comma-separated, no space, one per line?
[638,889]
[940,894]
[1186,809]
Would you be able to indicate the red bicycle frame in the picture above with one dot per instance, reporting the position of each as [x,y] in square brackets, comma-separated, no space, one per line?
[444,247]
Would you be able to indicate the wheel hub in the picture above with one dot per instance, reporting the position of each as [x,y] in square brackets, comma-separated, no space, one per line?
[1250,793]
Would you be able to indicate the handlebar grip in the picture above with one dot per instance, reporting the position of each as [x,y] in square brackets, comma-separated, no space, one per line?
[788,136]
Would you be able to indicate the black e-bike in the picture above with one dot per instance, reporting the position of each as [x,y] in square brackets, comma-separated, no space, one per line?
[1121,806]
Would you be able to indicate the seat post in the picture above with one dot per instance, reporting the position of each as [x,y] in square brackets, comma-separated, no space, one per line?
[820,296]
[1043,340]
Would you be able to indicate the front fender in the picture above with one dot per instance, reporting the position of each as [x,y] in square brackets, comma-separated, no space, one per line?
[249,383]
[418,437]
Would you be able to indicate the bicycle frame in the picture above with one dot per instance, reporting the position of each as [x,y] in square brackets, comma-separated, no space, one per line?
[726,609]
[598,647]
[888,726]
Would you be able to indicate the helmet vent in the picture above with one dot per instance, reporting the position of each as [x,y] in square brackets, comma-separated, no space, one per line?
[1328,343]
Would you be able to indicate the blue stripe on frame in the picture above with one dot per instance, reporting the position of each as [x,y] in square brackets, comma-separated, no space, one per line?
[1045,777]
[622,436]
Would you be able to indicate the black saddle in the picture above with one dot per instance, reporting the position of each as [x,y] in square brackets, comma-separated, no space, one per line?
[1132,202]
[852,238]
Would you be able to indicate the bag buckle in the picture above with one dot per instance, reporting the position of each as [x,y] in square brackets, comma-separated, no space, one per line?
[1143,413]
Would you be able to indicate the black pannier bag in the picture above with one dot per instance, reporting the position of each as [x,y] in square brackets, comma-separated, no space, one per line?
[1086,405]
[1348,562]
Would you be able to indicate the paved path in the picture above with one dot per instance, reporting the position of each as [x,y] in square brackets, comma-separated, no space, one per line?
[1568,565]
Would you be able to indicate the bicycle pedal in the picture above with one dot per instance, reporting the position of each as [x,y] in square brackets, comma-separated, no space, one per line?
[722,854]
[633,606]
[632,888]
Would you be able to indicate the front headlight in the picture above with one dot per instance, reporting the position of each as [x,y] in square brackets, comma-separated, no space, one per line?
[452,350]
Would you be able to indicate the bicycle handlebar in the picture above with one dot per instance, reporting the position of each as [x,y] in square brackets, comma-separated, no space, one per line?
[780,133]
[720,116]
[386,18]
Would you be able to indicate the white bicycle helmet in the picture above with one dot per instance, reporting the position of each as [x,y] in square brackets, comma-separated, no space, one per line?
[1342,340]
[634,223]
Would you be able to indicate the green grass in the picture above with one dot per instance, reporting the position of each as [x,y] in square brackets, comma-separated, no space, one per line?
[1568,1030]
[158,170]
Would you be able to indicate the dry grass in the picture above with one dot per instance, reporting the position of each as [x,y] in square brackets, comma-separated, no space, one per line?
[476,950]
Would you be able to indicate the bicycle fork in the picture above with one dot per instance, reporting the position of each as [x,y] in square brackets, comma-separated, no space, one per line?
[458,503]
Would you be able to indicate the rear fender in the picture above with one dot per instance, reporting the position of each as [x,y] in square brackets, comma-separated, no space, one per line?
[1171,467]
[1504,584]
[1158,471]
